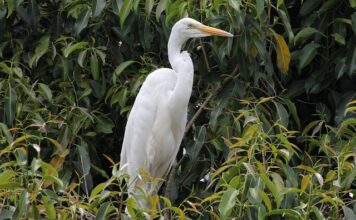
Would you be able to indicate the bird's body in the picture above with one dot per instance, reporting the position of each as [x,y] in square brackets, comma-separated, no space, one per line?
[156,123]
[151,123]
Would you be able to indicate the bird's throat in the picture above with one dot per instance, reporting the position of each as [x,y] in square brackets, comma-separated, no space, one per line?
[175,44]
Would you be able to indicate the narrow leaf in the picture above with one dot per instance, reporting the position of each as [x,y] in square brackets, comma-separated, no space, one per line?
[260,4]
[119,69]
[283,54]
[305,182]
[160,8]
[94,67]
[40,50]
[228,201]
[6,176]
[73,47]
[349,214]
[305,34]
[307,54]
[148,7]
[82,21]
[46,91]
[98,7]
[266,200]
[125,10]
[103,211]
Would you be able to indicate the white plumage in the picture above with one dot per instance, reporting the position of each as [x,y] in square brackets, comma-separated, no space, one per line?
[156,123]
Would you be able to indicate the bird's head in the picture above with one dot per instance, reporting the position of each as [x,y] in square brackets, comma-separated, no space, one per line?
[190,28]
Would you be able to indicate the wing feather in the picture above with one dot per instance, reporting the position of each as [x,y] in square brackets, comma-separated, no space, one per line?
[142,126]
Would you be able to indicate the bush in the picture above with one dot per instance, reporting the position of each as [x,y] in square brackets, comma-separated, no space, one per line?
[275,132]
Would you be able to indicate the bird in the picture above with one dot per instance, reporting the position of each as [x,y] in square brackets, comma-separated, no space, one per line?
[157,120]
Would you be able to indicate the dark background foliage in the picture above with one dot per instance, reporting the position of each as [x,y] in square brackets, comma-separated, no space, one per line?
[275,132]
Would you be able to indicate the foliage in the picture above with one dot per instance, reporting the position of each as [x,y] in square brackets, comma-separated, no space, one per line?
[277,139]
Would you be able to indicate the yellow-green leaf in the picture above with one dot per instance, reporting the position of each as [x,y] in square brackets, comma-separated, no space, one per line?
[283,54]
[266,200]
[305,182]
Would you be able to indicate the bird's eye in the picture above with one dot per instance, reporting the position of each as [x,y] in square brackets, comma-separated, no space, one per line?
[190,26]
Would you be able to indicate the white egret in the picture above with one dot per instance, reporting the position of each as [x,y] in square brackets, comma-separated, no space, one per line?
[156,123]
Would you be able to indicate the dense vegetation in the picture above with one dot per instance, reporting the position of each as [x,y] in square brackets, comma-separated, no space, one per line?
[273,135]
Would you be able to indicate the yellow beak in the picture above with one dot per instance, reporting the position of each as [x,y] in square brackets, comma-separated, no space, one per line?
[214,31]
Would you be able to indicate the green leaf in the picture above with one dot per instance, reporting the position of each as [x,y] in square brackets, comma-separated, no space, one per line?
[235,4]
[6,176]
[266,200]
[6,214]
[135,4]
[10,105]
[279,3]
[260,4]
[11,186]
[327,5]
[349,179]
[194,150]
[33,13]
[5,68]
[287,25]
[98,189]
[352,3]
[46,91]
[160,8]
[349,214]
[228,201]
[305,34]
[40,50]
[98,7]
[83,164]
[338,38]
[148,7]
[94,67]
[82,21]
[124,11]
[307,54]
[48,169]
[318,214]
[270,185]
[103,211]
[353,20]
[101,55]
[49,207]
[81,58]
[291,214]
[116,5]
[250,132]
[10,7]
[309,6]
[73,47]
[293,110]
[104,125]
[351,59]
[119,69]
[54,179]
[21,206]
[281,114]
[6,132]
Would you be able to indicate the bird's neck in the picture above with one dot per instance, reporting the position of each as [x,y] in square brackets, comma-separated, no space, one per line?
[185,72]
[175,44]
